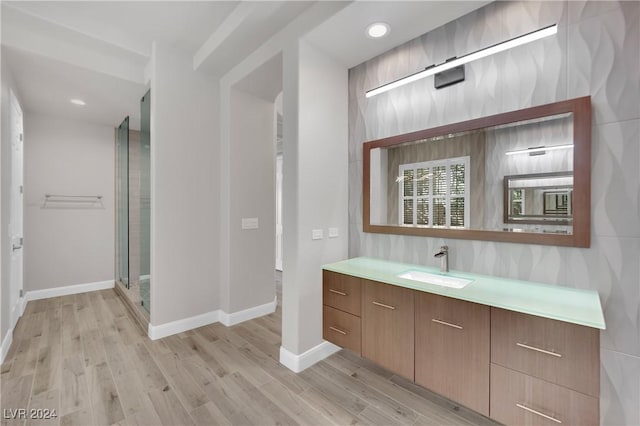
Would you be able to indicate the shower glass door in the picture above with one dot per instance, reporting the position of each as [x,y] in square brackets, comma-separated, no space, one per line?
[122,254]
[145,201]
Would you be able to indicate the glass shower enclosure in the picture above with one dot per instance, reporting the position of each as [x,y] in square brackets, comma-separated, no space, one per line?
[145,201]
[122,203]
[133,207]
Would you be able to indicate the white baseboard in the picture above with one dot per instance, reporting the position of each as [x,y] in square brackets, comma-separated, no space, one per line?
[17,311]
[70,289]
[6,344]
[23,304]
[248,314]
[298,363]
[174,327]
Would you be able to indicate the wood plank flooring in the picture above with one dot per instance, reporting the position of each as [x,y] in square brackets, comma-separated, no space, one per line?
[85,357]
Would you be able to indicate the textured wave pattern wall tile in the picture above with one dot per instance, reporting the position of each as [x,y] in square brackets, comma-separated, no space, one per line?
[615,182]
[533,74]
[531,15]
[355,188]
[517,261]
[602,52]
[619,389]
[579,10]
[611,266]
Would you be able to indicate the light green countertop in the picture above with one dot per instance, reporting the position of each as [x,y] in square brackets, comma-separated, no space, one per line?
[544,300]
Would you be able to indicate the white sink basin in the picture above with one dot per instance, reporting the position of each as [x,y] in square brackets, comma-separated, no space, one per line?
[436,279]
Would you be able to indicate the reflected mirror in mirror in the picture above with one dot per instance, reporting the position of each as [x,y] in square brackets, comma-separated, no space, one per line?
[540,199]
[460,180]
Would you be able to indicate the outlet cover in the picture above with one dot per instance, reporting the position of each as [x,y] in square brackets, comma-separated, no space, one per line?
[249,223]
[333,232]
[317,234]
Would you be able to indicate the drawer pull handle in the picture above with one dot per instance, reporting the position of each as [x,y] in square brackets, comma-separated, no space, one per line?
[531,410]
[448,324]
[384,306]
[337,330]
[337,292]
[522,345]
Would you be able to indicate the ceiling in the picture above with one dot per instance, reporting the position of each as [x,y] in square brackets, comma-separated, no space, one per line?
[98,50]
[109,99]
[135,25]
[344,34]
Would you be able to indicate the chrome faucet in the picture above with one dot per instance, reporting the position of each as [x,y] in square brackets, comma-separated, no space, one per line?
[443,254]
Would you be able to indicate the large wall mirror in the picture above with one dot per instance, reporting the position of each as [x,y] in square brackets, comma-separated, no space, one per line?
[522,176]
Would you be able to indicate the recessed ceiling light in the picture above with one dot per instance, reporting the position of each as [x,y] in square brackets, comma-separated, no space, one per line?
[377,30]
[78,102]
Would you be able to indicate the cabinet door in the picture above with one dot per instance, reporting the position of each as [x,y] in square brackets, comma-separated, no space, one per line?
[387,327]
[452,349]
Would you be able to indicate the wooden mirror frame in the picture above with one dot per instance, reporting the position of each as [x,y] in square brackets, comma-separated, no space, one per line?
[581,236]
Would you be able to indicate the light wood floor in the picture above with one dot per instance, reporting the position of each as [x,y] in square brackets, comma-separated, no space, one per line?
[85,357]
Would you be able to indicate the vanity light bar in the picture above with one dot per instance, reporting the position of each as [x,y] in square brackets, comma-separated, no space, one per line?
[541,149]
[455,62]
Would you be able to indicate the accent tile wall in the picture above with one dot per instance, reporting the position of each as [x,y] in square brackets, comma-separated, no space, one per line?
[596,52]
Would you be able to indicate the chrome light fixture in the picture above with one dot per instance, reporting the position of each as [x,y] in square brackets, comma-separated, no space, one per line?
[460,61]
[539,150]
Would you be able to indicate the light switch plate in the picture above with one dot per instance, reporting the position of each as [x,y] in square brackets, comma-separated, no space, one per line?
[317,234]
[249,223]
[333,232]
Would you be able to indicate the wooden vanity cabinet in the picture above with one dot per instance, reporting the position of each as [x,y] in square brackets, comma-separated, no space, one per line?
[516,368]
[452,350]
[387,327]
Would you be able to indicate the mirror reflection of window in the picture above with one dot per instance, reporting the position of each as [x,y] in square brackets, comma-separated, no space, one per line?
[434,193]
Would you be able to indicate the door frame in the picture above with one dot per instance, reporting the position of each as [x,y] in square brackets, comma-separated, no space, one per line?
[17,300]
[279,248]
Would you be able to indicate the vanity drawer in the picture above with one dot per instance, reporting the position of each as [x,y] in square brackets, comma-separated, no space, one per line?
[519,399]
[341,328]
[341,292]
[556,351]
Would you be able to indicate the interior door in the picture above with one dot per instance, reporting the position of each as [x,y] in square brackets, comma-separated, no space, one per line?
[16,215]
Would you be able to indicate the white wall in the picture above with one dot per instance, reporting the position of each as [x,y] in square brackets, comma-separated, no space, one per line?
[67,244]
[315,186]
[252,190]
[298,287]
[8,85]
[184,189]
